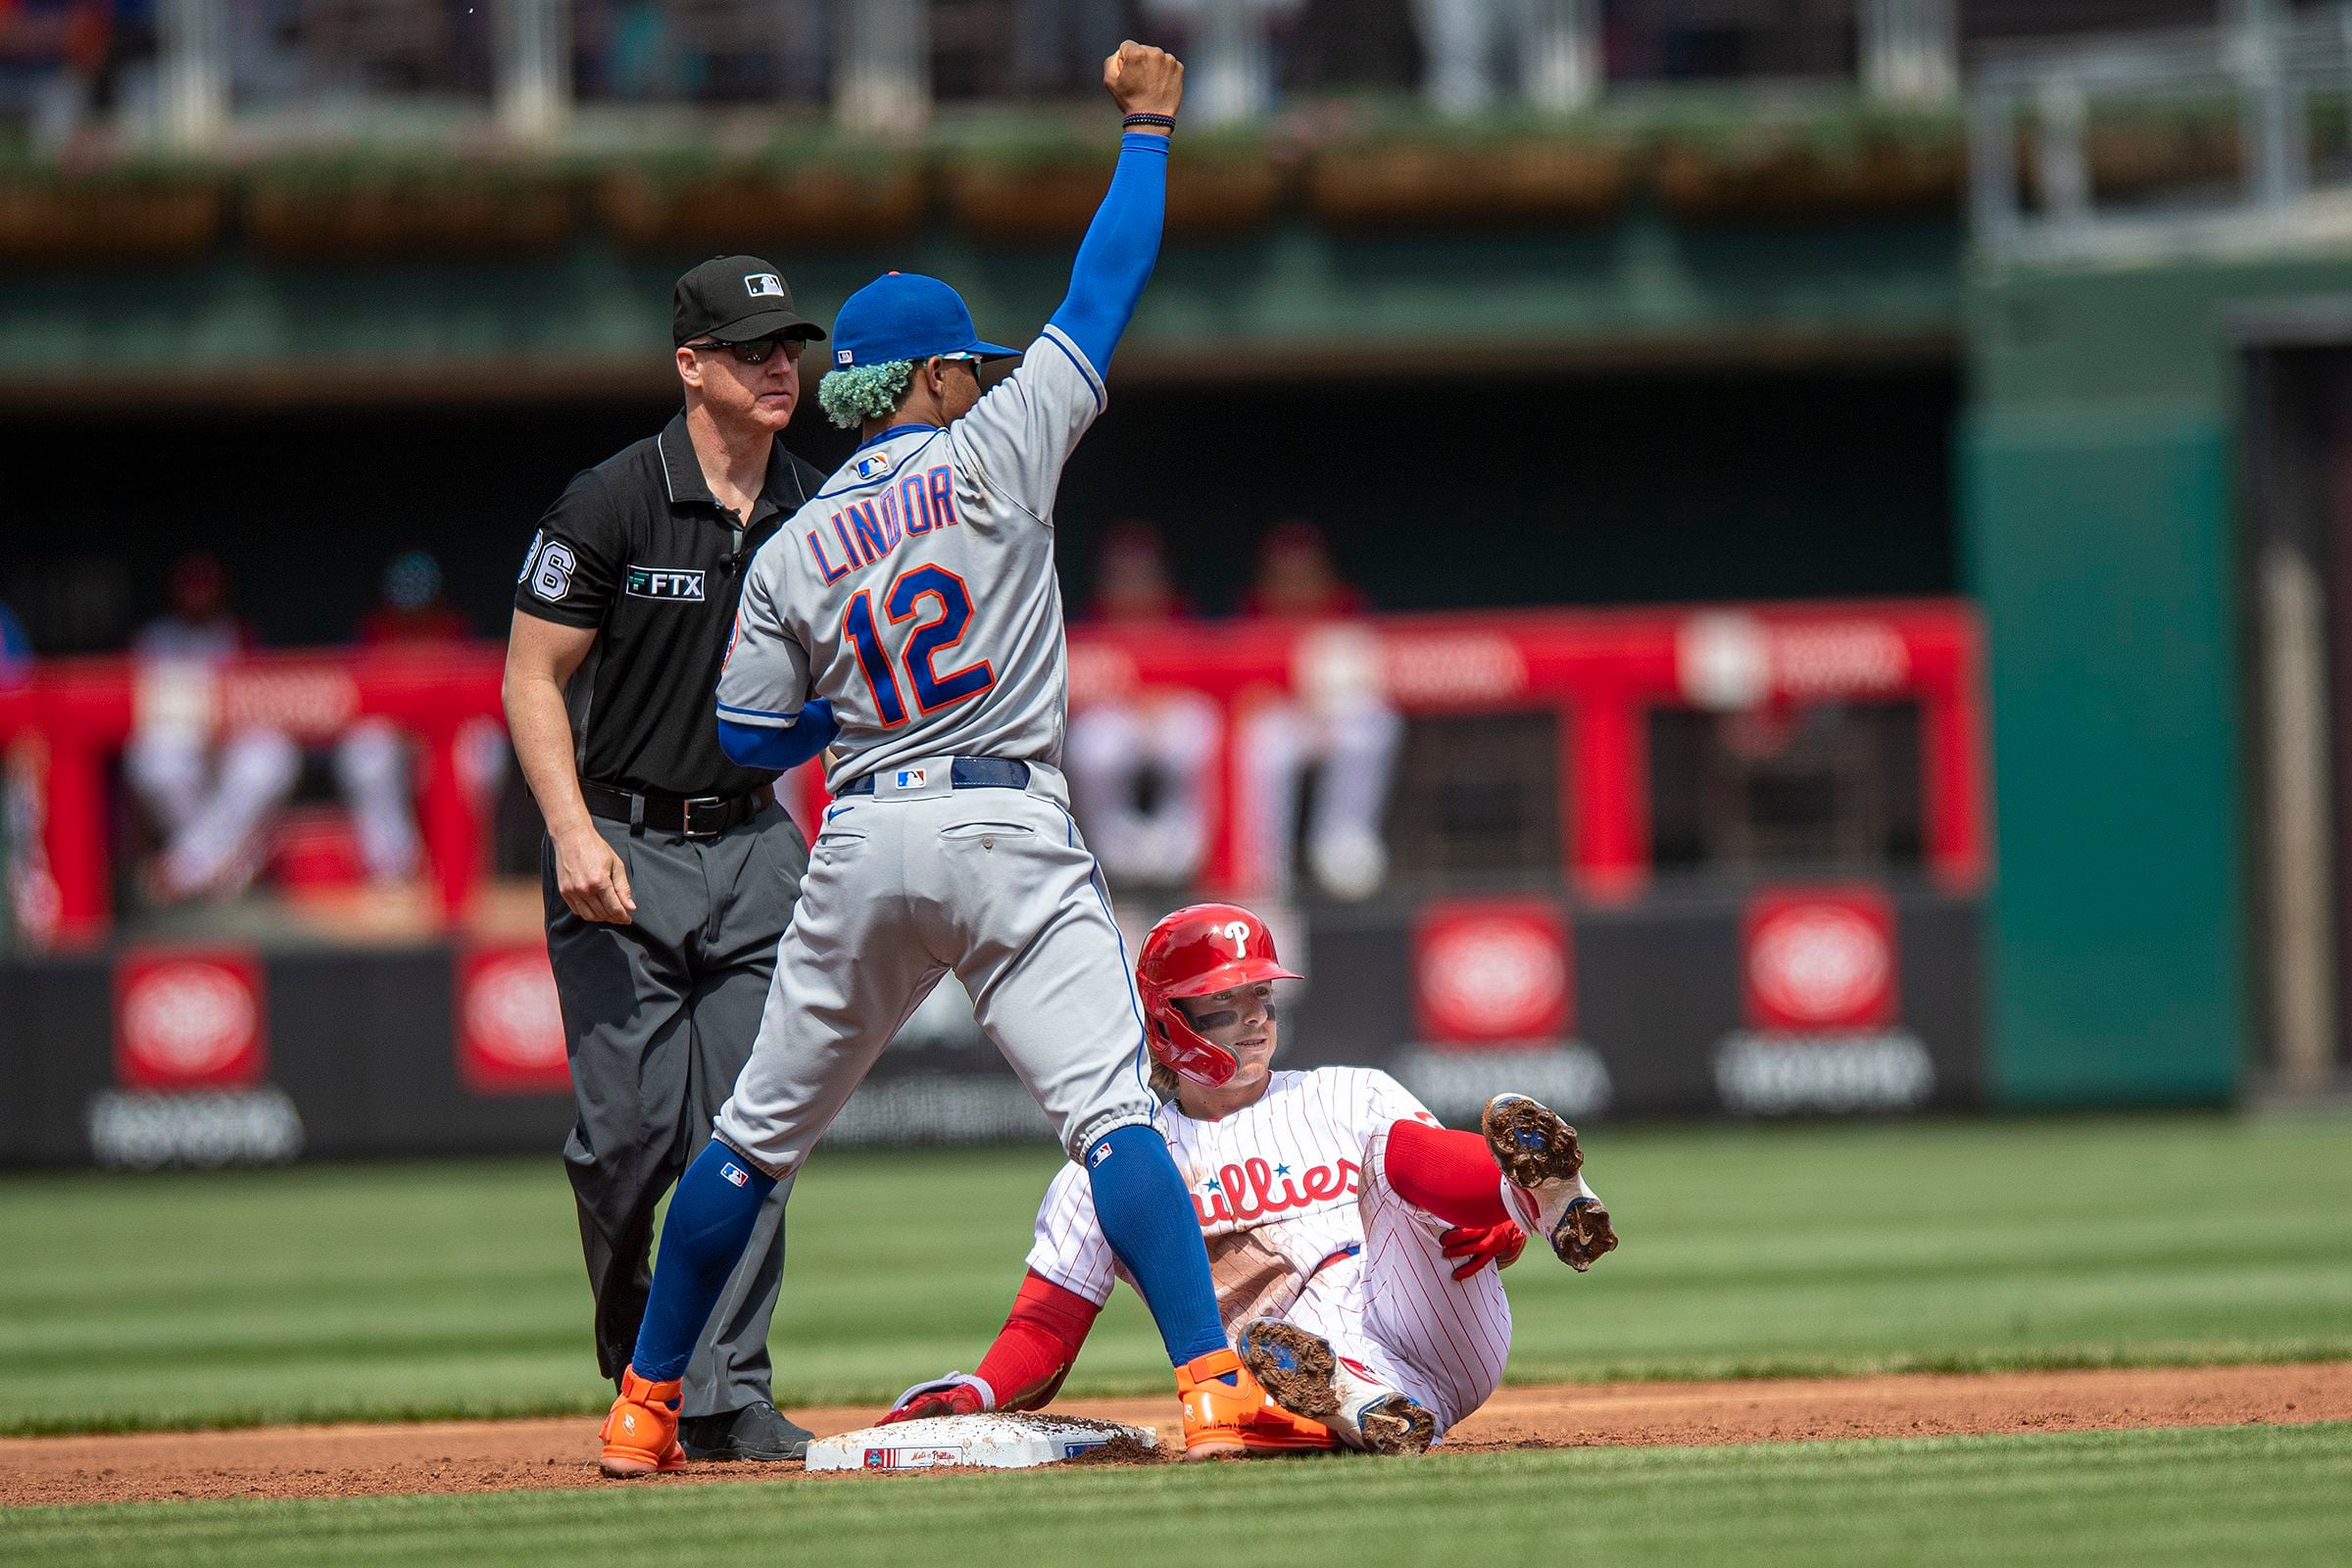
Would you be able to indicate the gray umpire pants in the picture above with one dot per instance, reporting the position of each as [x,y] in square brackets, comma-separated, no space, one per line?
[659,1017]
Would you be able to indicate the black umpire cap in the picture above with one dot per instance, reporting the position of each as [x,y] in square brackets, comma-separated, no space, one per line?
[736,299]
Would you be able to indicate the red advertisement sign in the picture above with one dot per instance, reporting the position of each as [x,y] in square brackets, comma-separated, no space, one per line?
[1819,958]
[190,1018]
[510,1022]
[1488,971]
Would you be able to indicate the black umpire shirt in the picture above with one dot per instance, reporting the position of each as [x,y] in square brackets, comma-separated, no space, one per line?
[638,548]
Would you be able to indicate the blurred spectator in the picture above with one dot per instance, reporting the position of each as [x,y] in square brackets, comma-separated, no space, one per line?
[642,56]
[1056,43]
[374,761]
[64,62]
[1139,766]
[16,648]
[210,801]
[25,890]
[1338,722]
[1228,53]
[1465,47]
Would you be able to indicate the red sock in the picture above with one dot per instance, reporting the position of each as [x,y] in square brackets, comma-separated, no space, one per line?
[1446,1172]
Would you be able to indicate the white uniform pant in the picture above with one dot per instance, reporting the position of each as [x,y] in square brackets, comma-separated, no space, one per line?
[375,764]
[1396,1308]
[905,886]
[1354,738]
[1173,734]
[211,818]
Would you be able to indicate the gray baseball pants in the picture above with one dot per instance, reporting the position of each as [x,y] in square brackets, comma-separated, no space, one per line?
[906,885]
[659,1018]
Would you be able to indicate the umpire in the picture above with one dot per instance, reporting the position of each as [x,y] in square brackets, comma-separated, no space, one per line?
[668,872]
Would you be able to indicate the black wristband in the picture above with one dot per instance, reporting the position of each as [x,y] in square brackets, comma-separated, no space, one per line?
[1164,122]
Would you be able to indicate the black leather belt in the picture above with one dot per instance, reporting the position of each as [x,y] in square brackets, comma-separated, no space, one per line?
[964,774]
[697,817]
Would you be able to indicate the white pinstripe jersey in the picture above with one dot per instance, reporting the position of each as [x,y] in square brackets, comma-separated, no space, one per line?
[1275,1186]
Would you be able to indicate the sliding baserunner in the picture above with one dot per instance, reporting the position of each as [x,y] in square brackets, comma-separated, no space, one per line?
[1349,1234]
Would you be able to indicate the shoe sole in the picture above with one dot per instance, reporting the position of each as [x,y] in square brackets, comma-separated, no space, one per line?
[1214,1449]
[732,1456]
[1296,1368]
[1530,1144]
[1397,1425]
[1584,1236]
[626,1469]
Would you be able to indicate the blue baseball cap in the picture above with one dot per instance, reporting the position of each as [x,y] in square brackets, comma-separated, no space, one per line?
[905,316]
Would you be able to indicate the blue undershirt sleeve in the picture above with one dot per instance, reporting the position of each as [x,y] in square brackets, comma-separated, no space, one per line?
[780,749]
[1114,261]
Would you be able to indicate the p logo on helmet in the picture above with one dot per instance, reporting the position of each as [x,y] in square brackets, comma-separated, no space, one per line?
[1196,952]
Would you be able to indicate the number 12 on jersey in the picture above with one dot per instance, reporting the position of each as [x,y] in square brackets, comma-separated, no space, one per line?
[902,601]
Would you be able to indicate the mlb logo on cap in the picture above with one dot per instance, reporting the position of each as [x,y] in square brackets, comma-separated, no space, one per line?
[736,299]
[904,316]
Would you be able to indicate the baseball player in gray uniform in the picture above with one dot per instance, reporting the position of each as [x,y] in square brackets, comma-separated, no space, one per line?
[916,590]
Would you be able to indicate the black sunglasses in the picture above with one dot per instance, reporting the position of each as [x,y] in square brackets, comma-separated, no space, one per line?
[757,351]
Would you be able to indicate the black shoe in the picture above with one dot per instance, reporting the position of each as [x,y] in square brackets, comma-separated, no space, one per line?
[755,1432]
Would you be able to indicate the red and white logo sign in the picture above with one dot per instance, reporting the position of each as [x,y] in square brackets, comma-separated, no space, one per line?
[1488,971]
[189,1019]
[1820,958]
[510,1022]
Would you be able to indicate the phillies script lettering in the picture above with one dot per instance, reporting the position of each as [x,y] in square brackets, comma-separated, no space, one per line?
[1239,1194]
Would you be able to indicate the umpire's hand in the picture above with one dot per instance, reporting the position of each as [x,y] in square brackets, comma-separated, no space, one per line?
[591,879]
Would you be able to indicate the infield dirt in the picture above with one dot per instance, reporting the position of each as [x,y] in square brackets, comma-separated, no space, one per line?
[333,1461]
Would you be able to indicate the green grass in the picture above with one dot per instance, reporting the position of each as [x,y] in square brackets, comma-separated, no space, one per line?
[383,1292]
[2223,1496]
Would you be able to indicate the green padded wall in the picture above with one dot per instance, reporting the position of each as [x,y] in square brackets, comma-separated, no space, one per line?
[2100,553]
[2100,495]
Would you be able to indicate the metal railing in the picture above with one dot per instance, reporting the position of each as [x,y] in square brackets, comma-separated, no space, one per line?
[2153,143]
[344,67]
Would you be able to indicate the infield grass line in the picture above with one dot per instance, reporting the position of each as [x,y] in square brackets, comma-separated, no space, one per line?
[455,1291]
[2074,1500]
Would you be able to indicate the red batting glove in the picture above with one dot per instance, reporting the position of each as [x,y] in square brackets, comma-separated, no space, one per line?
[948,1396]
[1477,1245]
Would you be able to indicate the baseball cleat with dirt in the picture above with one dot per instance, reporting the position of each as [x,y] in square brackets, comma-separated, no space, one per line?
[1228,1417]
[641,1434]
[1302,1373]
[1541,1169]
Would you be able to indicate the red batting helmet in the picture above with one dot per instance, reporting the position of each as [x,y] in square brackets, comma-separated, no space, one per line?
[1196,951]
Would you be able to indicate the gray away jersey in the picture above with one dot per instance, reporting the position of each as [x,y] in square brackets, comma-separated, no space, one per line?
[916,590]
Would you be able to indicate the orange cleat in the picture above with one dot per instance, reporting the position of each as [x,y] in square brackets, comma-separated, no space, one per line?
[641,1434]
[1235,1419]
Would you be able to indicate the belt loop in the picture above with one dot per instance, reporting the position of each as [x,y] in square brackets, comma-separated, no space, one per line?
[636,815]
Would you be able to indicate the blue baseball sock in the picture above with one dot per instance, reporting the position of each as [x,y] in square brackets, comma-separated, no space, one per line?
[1148,1218]
[710,1218]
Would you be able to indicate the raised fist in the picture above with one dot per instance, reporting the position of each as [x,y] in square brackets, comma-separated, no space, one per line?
[1144,81]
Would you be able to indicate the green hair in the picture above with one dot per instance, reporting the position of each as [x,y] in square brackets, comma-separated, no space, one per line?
[850,398]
